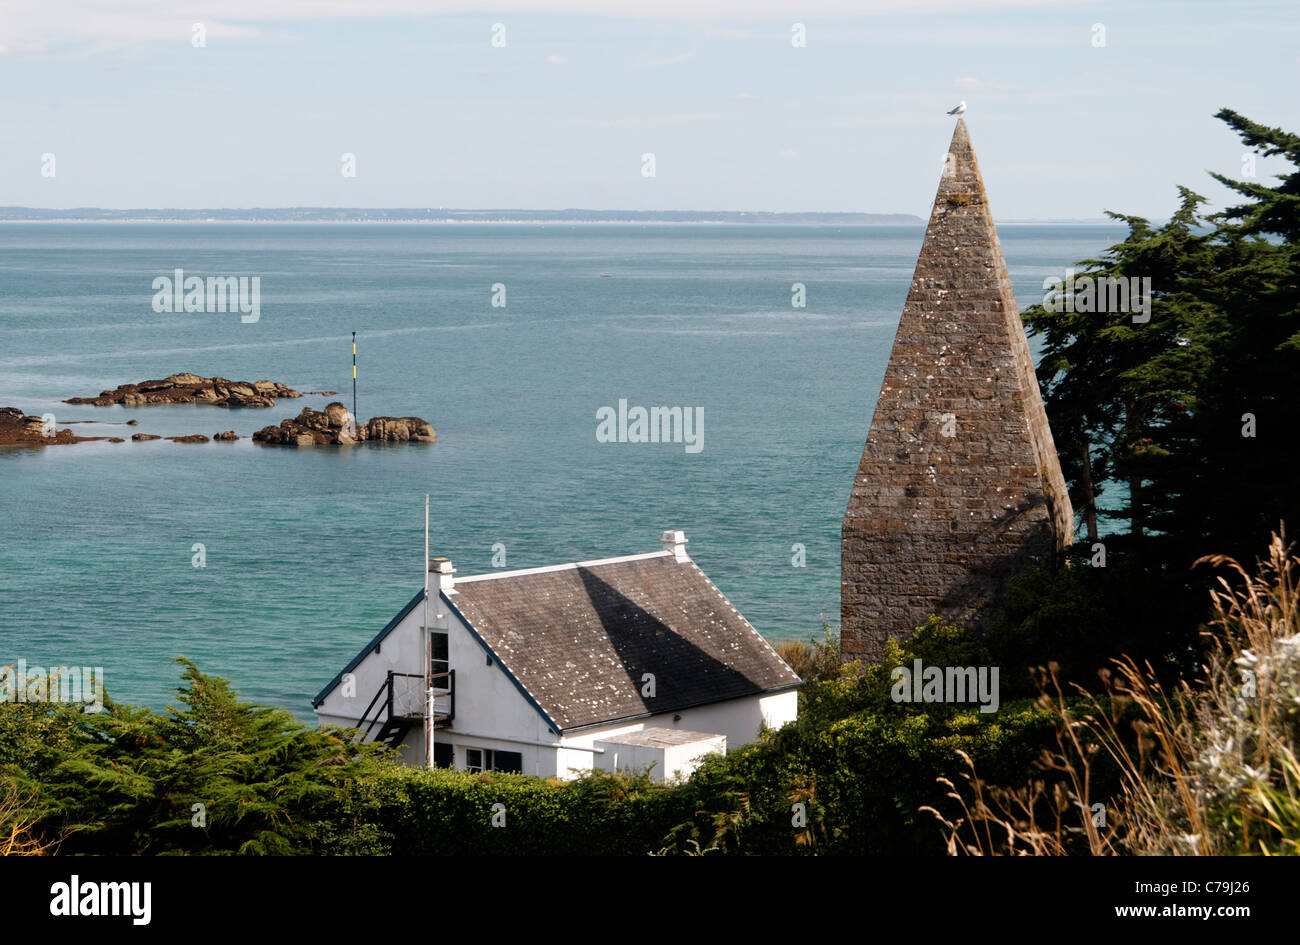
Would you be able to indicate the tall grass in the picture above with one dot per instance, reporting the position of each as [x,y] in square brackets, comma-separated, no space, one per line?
[1209,767]
[813,660]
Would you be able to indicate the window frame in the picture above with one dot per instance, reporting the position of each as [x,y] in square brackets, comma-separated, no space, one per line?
[488,760]
[434,661]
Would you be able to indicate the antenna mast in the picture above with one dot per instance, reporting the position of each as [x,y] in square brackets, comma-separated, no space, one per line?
[428,648]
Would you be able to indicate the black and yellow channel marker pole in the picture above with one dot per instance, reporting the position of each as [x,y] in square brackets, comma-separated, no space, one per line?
[354,376]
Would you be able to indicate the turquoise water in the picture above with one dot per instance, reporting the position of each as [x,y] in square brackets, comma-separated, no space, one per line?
[310,552]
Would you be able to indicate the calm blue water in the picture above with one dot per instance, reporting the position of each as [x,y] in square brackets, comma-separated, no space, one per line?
[310,552]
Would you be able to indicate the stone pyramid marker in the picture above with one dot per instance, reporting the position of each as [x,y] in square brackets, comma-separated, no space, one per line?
[959,484]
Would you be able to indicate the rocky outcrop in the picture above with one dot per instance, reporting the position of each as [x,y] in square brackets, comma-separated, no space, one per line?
[399,430]
[331,427]
[335,427]
[19,429]
[192,389]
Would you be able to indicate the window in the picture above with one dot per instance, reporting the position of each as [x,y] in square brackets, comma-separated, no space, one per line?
[486,759]
[439,660]
[444,756]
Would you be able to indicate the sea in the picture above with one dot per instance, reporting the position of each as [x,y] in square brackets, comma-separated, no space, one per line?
[510,340]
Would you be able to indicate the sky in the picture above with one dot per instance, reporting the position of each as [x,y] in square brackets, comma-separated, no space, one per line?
[1074,108]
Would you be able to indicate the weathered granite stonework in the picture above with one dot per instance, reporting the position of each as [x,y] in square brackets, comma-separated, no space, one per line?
[959,484]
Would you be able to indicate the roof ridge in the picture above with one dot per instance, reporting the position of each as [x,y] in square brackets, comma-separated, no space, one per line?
[573,565]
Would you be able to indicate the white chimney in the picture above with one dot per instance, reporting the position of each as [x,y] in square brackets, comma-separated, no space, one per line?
[675,542]
[442,570]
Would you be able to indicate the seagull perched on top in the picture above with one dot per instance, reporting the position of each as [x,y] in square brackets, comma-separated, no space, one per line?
[959,110]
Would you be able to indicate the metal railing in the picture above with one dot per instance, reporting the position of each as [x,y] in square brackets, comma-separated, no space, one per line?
[386,702]
[402,696]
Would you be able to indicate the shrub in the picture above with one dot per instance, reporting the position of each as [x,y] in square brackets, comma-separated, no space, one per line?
[127,780]
[1080,617]
[813,660]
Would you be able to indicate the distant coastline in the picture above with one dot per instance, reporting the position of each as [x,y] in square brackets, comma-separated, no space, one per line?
[441,215]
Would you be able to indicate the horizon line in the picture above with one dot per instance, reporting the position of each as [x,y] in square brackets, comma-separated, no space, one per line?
[329,214]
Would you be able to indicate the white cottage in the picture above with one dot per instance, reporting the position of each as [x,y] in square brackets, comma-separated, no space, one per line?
[612,664]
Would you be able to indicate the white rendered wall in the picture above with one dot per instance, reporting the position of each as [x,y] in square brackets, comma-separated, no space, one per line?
[665,762]
[737,719]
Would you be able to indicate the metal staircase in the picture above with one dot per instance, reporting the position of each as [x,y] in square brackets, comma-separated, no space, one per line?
[398,706]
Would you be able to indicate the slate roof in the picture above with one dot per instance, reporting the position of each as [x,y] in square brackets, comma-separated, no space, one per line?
[579,638]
